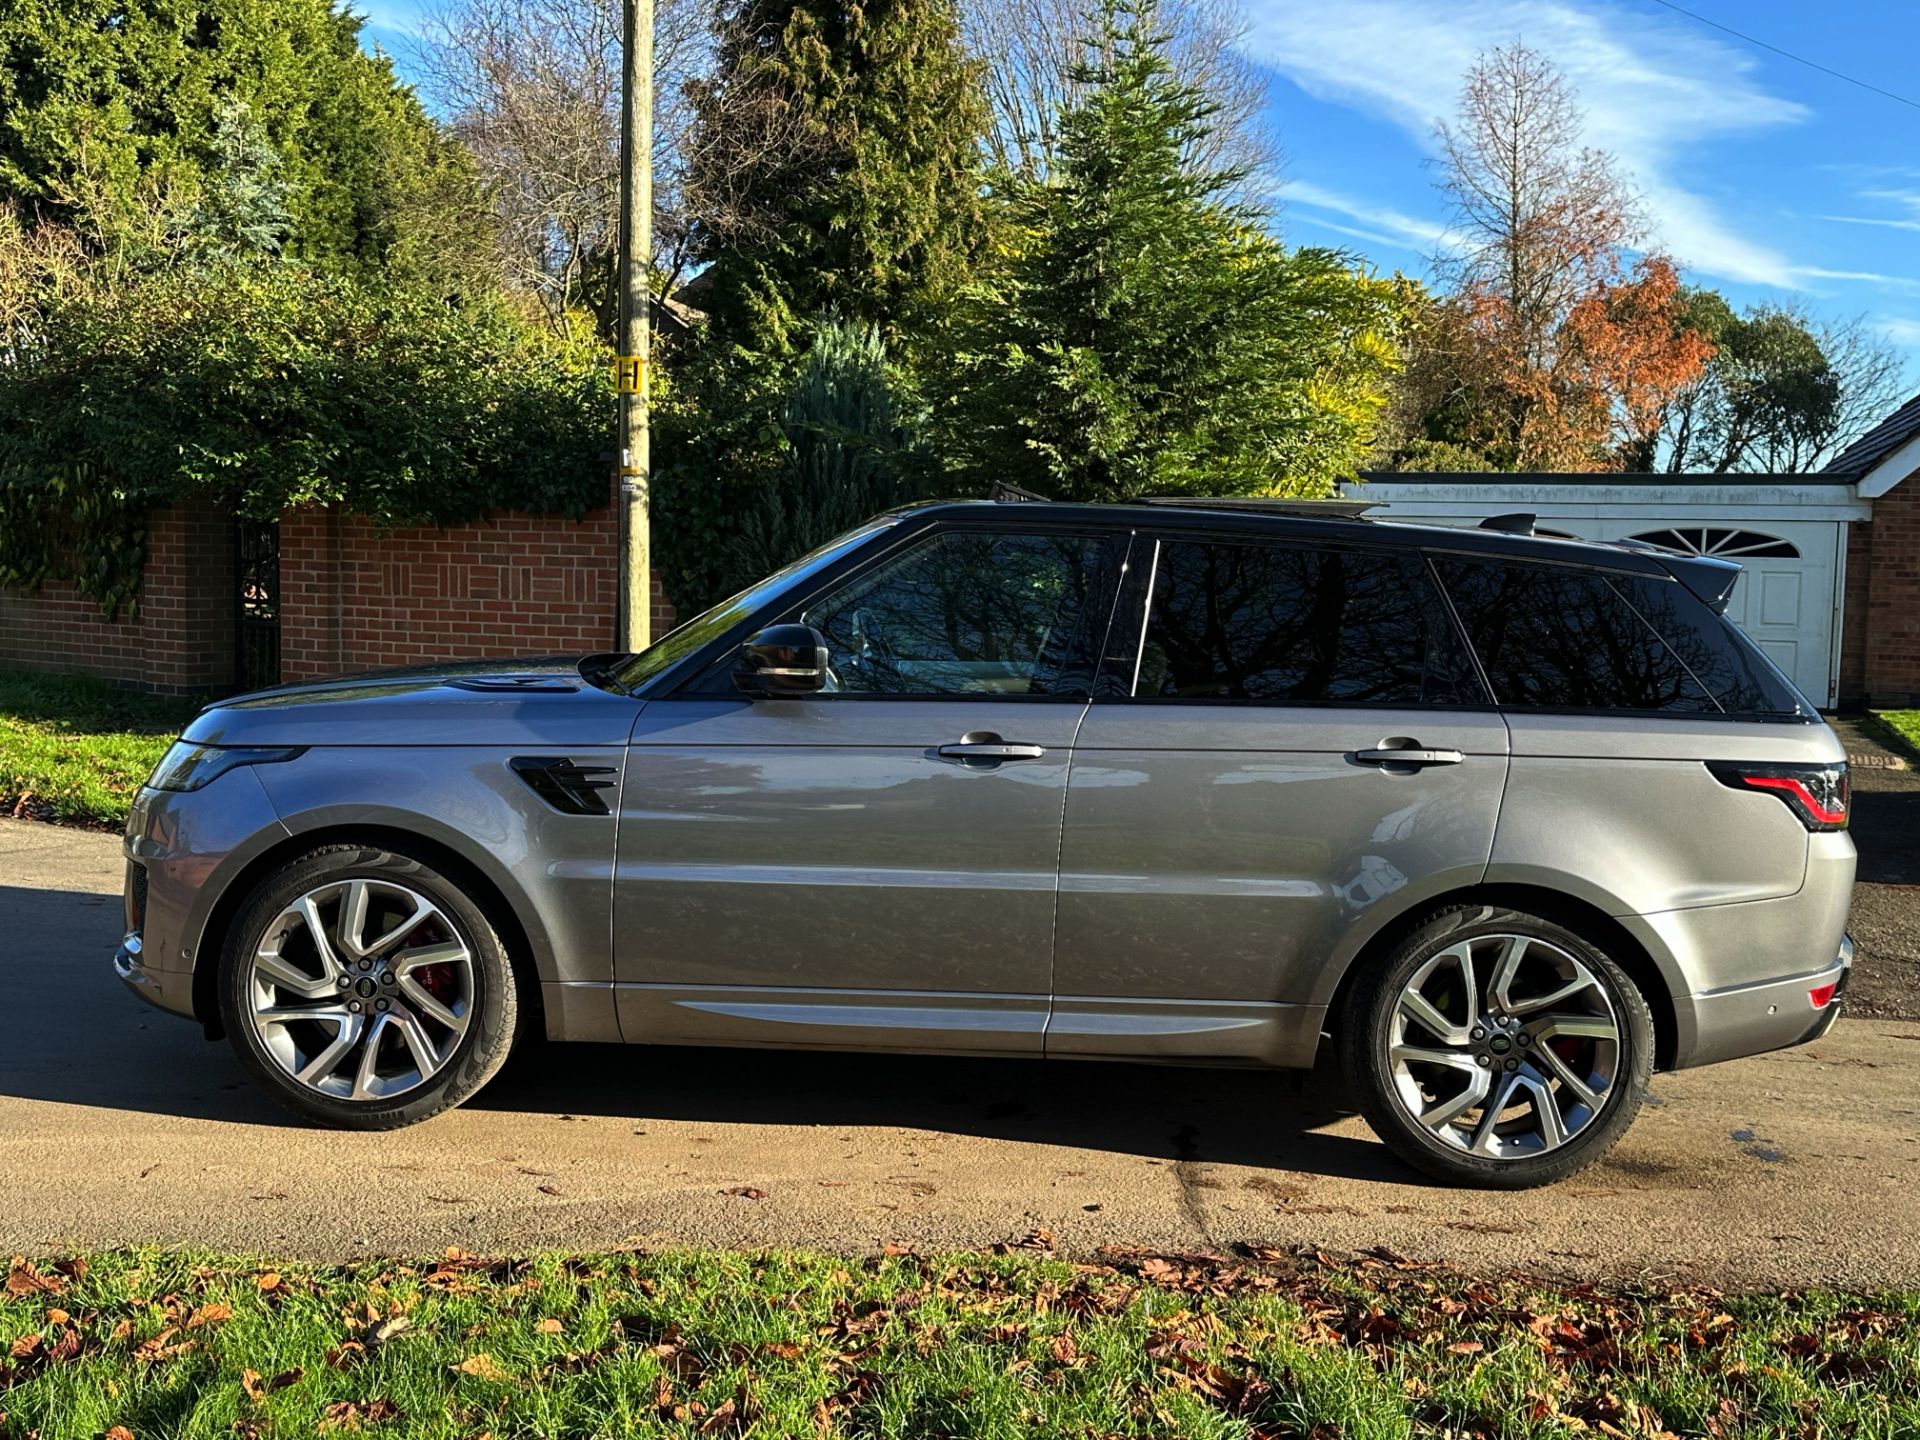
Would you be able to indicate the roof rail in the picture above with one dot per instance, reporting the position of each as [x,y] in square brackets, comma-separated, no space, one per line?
[1264,505]
[1003,493]
[1520,522]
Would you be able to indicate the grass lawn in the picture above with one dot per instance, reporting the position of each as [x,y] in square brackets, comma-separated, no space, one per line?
[1905,725]
[73,748]
[149,1344]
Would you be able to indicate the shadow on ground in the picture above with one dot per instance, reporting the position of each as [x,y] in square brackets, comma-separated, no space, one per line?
[1886,831]
[77,1037]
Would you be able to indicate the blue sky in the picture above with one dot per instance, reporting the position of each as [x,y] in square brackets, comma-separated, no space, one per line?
[1763,178]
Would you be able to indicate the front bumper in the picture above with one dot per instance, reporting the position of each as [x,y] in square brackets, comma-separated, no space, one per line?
[157,987]
[1753,1019]
[183,850]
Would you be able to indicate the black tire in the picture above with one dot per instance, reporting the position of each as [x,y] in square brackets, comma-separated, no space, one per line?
[494,1012]
[1366,1037]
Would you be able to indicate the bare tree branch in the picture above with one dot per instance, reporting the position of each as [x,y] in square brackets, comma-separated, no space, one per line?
[1538,217]
[533,88]
[1033,49]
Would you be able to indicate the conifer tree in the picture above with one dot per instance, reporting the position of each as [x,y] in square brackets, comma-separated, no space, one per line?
[1148,335]
[844,139]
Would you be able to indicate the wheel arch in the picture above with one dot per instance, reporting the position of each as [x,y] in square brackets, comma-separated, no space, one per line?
[1581,916]
[485,890]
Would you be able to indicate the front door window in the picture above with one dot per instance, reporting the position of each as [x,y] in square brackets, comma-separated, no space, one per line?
[969,613]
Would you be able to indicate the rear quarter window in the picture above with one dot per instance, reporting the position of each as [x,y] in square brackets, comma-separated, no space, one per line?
[1725,661]
[1555,638]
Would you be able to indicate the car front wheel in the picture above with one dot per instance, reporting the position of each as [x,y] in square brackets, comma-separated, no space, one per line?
[1497,1049]
[366,990]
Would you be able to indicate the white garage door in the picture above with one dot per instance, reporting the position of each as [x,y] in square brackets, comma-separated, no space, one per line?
[1785,600]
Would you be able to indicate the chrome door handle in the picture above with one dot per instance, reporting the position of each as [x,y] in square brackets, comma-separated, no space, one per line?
[1408,756]
[985,745]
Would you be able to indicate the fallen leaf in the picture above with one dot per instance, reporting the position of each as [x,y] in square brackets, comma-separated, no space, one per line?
[212,1314]
[357,1415]
[382,1331]
[23,1279]
[1038,1240]
[25,1346]
[548,1189]
[1465,1347]
[481,1366]
[57,1316]
[268,1282]
[549,1326]
[119,1432]
[745,1192]
[255,1387]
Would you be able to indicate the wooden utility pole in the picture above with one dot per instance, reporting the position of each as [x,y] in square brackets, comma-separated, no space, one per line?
[632,366]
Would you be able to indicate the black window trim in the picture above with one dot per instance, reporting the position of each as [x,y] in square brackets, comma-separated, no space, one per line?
[711,678]
[1419,554]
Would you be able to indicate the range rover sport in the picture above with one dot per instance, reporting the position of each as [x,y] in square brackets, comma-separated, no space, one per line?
[1512,821]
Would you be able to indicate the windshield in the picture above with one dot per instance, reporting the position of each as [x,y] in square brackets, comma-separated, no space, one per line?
[636,670]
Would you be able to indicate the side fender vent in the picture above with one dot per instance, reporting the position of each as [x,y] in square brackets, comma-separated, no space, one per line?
[569,788]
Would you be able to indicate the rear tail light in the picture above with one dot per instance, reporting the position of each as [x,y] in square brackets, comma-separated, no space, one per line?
[1819,794]
[1822,995]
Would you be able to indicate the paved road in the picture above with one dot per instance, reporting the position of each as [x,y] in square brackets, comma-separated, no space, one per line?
[119,1124]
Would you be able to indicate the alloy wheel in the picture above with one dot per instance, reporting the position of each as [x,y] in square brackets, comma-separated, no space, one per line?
[1503,1046]
[361,989]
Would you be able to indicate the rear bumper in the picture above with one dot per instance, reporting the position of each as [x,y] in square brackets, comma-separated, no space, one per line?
[1753,1019]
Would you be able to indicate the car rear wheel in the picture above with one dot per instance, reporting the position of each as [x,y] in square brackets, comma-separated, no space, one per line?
[366,990]
[1497,1049]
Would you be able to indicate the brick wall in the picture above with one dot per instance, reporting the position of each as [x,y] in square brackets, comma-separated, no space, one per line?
[1890,647]
[182,640]
[352,598]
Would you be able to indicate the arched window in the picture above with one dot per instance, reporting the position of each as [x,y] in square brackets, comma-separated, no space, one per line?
[1732,544]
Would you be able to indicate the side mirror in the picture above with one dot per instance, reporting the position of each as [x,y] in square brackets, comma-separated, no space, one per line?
[782,660]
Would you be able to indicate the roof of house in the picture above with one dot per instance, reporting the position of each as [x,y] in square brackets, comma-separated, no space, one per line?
[1595,477]
[1878,443]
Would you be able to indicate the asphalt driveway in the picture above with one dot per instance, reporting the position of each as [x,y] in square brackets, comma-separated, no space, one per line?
[119,1124]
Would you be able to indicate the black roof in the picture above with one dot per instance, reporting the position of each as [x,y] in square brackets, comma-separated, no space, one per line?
[1878,443]
[1710,578]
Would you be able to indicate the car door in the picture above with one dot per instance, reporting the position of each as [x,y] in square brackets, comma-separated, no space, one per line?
[873,865]
[1285,736]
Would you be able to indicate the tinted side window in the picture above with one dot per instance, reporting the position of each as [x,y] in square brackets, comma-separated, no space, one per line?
[969,613]
[1287,624]
[1723,660]
[1564,639]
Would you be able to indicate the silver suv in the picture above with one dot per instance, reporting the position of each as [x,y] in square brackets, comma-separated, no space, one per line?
[1515,820]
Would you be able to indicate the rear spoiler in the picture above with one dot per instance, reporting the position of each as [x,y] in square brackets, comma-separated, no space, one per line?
[1708,577]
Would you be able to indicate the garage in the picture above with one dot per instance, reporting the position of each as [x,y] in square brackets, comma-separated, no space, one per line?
[1789,532]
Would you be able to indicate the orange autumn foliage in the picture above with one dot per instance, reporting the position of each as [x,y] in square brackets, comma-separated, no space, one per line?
[1590,394]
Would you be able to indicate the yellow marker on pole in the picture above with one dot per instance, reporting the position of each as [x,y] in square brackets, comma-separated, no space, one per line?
[629,374]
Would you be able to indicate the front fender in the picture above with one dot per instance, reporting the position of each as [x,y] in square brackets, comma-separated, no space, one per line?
[553,870]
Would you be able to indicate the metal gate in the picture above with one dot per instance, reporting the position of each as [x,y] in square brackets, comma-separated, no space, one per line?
[256,621]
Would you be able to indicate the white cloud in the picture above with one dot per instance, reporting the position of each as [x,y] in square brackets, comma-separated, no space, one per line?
[1902,331]
[1907,200]
[1380,224]
[1652,88]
